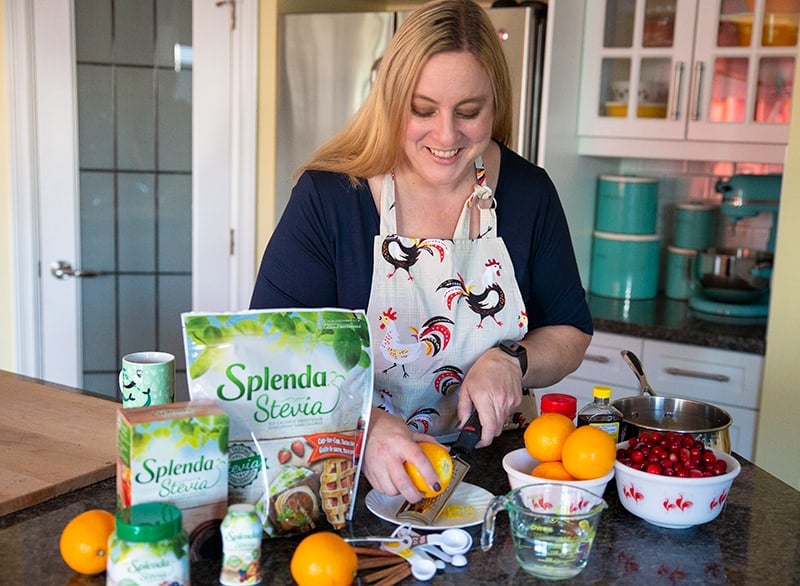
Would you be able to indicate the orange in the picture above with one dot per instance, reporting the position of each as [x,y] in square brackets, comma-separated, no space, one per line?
[442,463]
[546,434]
[84,541]
[552,471]
[323,558]
[589,453]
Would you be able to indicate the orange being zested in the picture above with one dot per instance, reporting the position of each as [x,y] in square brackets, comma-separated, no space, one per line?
[323,558]
[442,463]
[546,434]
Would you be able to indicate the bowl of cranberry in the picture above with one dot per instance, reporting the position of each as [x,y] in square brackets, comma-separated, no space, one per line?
[673,480]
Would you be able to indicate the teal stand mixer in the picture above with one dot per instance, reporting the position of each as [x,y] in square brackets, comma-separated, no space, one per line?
[732,284]
[746,196]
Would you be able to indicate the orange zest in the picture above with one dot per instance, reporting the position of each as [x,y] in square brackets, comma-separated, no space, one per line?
[323,558]
[545,436]
[589,453]
[84,541]
[442,463]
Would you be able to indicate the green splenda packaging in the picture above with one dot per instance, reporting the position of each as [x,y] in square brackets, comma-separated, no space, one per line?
[297,386]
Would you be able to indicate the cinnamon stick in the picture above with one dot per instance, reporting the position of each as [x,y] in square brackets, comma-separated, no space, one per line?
[402,573]
[379,562]
[386,573]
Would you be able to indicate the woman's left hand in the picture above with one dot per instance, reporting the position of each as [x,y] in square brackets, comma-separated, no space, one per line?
[493,387]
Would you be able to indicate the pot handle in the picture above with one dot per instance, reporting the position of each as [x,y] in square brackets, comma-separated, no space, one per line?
[636,365]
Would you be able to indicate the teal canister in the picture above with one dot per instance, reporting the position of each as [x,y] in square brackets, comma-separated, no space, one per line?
[695,225]
[626,204]
[679,272]
[625,266]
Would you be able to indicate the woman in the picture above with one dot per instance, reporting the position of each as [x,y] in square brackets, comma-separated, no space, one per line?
[456,246]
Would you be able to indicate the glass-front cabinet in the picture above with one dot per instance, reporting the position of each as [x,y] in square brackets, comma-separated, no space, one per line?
[705,70]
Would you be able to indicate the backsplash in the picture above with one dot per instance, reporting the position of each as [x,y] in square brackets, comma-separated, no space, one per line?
[682,181]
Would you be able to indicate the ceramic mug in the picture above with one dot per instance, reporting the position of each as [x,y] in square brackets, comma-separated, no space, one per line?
[147,378]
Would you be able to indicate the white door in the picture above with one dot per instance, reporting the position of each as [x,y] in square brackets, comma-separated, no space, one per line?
[134,164]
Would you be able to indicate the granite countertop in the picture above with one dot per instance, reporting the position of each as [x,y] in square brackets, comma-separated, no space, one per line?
[755,538]
[671,320]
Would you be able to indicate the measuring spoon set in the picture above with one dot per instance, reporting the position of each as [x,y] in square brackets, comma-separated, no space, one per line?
[448,547]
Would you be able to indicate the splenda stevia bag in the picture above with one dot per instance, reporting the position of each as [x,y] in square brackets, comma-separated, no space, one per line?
[297,386]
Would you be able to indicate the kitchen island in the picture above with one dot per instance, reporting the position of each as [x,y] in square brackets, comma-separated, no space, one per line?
[755,539]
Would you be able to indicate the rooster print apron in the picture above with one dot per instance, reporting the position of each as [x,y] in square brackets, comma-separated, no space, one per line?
[435,306]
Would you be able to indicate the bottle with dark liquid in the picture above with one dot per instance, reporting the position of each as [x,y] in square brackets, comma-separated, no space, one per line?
[601,413]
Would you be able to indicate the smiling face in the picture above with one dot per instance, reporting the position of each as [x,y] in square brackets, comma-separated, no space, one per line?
[450,122]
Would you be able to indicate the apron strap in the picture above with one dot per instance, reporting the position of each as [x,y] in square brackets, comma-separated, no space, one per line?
[480,193]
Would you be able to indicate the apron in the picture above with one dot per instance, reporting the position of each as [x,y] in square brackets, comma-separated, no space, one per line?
[435,306]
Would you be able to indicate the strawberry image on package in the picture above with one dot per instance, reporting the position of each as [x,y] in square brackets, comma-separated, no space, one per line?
[297,386]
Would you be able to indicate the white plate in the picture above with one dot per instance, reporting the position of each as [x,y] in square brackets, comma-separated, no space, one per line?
[464,509]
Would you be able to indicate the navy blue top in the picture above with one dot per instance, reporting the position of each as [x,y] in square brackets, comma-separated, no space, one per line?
[320,254]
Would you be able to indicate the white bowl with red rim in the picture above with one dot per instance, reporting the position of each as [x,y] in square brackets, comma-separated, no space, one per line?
[671,501]
[519,464]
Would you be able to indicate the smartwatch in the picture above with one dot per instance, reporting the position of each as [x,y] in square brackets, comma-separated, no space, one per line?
[516,350]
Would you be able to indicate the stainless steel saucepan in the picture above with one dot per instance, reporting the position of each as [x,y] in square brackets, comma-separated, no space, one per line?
[651,412]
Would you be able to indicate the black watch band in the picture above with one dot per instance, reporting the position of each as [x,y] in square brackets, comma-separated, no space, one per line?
[516,350]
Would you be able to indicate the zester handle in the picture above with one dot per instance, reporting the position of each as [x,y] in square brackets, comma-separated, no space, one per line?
[469,436]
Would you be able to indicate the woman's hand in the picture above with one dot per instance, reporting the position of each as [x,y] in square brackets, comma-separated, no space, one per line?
[390,443]
[493,387]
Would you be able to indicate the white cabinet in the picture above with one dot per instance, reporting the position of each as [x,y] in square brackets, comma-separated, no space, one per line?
[730,380]
[602,365]
[703,75]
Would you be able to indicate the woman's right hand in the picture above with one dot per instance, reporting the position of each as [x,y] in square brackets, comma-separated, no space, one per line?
[390,443]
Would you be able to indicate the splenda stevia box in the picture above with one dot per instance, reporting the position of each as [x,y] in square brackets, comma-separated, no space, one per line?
[175,453]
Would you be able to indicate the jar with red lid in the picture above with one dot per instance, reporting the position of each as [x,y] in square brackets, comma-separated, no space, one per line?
[559,403]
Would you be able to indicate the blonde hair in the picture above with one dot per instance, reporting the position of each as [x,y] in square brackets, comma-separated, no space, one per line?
[371,144]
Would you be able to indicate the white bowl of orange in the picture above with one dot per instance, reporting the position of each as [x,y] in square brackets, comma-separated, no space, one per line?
[556,451]
[519,464]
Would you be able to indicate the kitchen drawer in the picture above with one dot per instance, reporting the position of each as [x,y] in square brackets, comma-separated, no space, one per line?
[603,363]
[716,376]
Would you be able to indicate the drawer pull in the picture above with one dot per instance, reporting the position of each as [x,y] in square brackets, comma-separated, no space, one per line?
[721,378]
[596,358]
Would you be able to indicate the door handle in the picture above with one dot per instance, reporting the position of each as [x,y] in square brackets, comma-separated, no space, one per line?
[677,86]
[61,269]
[697,85]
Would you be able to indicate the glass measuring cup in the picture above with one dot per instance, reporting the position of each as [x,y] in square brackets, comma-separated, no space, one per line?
[553,527]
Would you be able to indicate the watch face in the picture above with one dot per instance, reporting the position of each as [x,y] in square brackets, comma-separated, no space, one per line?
[518,351]
[512,347]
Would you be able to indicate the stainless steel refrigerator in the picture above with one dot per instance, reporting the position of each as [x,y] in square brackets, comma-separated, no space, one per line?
[326,64]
